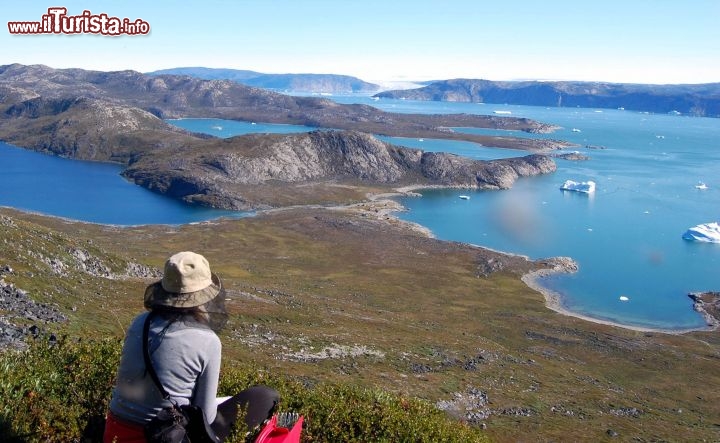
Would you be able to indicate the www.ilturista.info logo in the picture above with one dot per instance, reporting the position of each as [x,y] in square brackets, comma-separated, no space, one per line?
[56,21]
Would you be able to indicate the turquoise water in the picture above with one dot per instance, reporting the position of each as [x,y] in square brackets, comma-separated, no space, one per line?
[626,238]
[466,149]
[229,128]
[88,191]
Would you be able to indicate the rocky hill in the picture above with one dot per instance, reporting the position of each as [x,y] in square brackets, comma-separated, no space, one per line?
[318,83]
[260,171]
[696,100]
[170,96]
[87,128]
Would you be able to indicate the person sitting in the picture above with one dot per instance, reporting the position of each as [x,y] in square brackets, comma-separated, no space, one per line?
[185,310]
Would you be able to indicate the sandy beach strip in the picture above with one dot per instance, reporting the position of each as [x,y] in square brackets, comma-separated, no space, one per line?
[552,302]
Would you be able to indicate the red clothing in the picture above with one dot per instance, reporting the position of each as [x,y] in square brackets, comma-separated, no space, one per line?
[121,431]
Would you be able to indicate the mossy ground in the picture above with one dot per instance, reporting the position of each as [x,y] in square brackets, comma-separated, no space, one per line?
[422,318]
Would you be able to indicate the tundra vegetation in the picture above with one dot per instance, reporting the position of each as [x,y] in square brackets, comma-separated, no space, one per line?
[368,327]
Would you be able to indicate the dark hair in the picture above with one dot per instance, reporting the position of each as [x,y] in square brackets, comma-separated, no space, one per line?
[211,314]
[195,313]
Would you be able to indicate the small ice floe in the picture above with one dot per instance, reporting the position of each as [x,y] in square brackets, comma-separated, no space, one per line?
[706,232]
[464,197]
[502,112]
[624,298]
[702,186]
[253,123]
[575,130]
[660,136]
[217,128]
[421,139]
[587,187]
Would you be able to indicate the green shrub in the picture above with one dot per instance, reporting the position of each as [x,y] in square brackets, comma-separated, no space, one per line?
[60,392]
[56,392]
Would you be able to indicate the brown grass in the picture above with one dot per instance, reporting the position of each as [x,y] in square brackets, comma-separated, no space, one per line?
[430,322]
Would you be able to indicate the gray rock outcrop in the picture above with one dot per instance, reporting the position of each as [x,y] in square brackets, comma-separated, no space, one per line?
[15,304]
[223,174]
[707,304]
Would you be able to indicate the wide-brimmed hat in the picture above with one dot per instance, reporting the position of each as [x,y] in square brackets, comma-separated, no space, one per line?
[187,282]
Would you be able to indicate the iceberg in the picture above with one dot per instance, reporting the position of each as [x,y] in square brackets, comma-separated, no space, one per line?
[587,187]
[707,232]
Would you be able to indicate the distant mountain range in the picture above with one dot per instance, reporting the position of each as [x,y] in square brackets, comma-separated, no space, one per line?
[317,83]
[701,100]
[696,100]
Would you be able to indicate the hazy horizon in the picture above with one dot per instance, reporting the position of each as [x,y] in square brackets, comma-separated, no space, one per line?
[647,42]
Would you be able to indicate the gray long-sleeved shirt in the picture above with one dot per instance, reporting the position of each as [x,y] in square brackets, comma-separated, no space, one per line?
[186,359]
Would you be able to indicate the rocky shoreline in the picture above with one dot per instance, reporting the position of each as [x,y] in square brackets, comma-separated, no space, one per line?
[708,305]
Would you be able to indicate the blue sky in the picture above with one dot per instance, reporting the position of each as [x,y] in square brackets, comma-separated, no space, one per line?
[639,41]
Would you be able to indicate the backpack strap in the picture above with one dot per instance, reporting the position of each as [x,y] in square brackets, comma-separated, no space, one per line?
[148,361]
[197,427]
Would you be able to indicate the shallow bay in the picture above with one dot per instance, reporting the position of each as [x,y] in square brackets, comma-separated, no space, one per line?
[626,237]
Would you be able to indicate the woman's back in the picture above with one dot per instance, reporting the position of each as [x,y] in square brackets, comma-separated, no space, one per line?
[186,357]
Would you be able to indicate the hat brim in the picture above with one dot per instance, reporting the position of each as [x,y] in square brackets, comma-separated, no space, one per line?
[156,296]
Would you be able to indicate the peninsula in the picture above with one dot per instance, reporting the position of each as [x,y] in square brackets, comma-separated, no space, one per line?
[119,116]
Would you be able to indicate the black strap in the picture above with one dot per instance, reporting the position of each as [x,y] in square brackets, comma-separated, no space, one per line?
[148,361]
[206,433]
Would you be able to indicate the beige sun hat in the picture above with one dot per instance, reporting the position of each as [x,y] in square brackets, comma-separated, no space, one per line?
[187,282]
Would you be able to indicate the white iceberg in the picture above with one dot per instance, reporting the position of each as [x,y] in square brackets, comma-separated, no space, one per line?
[587,187]
[707,232]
